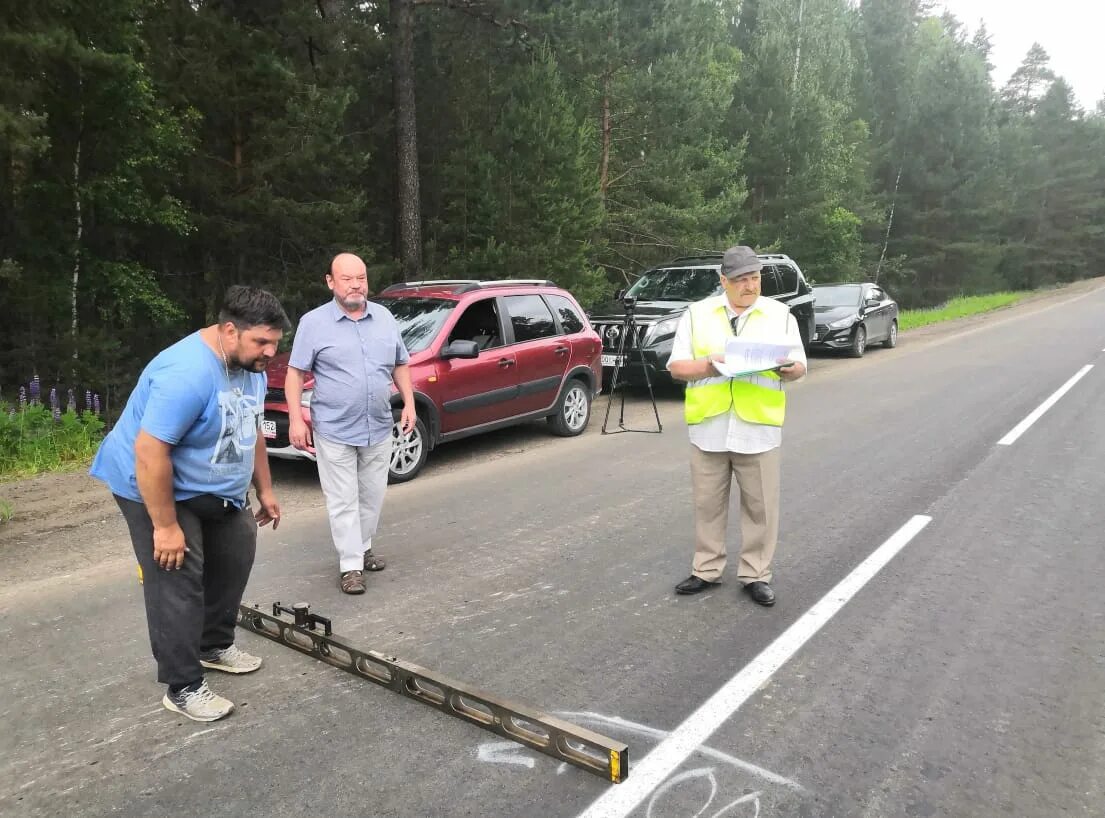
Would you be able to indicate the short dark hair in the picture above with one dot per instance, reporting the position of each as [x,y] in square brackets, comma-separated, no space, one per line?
[249,307]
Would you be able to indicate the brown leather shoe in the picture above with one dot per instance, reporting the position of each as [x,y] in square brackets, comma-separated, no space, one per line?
[372,562]
[352,582]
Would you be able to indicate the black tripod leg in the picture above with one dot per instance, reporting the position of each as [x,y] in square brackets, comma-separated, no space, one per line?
[613,387]
[614,383]
[623,356]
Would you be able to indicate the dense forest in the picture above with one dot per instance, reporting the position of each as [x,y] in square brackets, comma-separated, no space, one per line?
[153,152]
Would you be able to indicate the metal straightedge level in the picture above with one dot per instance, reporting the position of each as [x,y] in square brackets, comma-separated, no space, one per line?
[297,628]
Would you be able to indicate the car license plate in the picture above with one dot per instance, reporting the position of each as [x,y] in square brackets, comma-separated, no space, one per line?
[612,360]
[268,428]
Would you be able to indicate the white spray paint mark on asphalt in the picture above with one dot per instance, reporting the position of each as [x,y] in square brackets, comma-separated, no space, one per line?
[505,752]
[752,798]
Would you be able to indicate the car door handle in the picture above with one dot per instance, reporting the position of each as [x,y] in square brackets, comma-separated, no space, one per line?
[505,362]
[561,350]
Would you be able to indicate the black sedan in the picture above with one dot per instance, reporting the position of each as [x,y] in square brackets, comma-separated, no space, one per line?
[853,317]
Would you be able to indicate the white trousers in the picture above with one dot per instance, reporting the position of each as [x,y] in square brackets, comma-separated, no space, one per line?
[354,479]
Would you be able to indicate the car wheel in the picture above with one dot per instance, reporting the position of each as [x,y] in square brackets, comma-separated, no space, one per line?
[859,342]
[892,339]
[408,452]
[573,411]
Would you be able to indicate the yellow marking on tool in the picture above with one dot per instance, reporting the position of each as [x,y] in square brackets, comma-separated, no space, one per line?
[141,579]
[615,766]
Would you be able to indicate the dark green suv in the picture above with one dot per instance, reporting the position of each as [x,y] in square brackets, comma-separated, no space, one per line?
[662,294]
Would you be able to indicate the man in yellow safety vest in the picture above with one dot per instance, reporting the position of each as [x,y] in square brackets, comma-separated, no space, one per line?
[735,424]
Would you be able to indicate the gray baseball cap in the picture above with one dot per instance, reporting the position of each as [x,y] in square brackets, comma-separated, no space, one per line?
[739,261]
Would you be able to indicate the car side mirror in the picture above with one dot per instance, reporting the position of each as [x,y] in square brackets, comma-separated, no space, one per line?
[871,302]
[461,349]
[619,294]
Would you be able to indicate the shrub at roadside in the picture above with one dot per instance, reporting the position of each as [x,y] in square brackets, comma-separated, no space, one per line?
[37,437]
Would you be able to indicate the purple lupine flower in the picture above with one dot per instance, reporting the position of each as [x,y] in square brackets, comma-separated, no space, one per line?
[71,406]
[88,400]
[36,390]
[53,397]
[57,414]
[96,403]
[22,397]
[11,411]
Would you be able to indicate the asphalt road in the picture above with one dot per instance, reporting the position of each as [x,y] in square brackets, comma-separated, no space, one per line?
[964,678]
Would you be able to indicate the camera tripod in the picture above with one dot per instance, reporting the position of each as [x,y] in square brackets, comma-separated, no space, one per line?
[627,345]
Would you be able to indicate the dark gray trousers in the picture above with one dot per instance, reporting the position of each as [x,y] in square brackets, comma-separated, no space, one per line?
[194,609]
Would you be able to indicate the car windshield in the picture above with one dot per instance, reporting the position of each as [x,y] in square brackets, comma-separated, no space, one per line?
[843,295]
[419,319]
[676,284]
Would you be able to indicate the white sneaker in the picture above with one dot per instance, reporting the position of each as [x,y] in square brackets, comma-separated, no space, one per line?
[199,704]
[230,660]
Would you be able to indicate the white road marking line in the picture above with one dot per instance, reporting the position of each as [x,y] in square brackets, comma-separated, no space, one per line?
[1038,412]
[651,772]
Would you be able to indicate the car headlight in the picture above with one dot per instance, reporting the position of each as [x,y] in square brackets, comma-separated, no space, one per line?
[305,397]
[663,328]
[843,322]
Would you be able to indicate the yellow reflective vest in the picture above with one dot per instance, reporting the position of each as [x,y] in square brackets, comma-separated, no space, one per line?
[755,398]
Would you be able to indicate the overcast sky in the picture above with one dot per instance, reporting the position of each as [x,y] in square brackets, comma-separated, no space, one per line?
[1071,32]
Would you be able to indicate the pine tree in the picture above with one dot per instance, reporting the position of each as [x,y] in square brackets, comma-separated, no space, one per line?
[1029,82]
[656,77]
[274,183]
[522,199]
[91,157]
[946,190]
[807,149]
[1054,221]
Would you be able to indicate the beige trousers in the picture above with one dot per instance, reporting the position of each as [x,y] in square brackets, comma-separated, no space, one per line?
[354,480]
[757,478]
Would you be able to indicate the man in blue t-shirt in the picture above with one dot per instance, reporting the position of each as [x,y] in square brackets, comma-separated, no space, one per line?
[179,462]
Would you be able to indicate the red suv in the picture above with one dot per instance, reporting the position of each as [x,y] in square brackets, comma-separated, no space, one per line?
[484,354]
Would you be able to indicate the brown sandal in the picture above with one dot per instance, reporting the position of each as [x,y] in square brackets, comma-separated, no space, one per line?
[373,563]
[352,582]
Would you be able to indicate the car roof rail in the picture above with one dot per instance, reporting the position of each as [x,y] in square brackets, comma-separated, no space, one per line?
[518,282]
[710,254]
[466,285]
[443,282]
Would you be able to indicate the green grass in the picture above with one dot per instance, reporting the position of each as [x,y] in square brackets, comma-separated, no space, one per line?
[958,308]
[32,441]
[6,511]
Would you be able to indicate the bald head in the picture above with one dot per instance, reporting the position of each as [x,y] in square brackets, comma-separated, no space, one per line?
[347,263]
[348,281]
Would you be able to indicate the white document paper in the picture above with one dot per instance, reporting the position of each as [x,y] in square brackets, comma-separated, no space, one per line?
[747,357]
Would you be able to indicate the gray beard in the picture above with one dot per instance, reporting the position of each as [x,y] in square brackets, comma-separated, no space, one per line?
[353,306]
